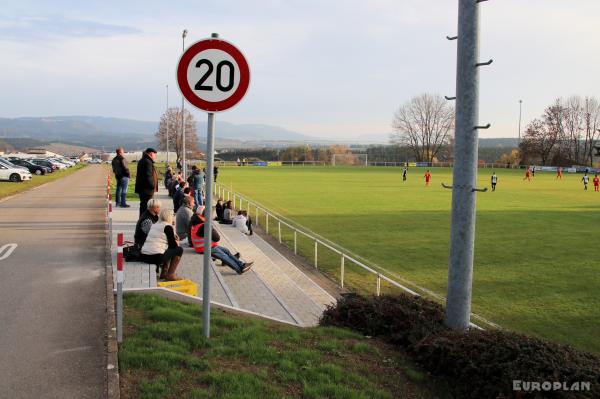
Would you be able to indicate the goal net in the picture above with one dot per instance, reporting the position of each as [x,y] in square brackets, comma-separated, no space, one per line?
[349,159]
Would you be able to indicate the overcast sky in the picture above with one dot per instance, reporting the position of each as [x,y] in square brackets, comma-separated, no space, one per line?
[329,69]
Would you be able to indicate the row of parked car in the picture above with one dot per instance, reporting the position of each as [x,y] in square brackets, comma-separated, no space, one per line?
[20,169]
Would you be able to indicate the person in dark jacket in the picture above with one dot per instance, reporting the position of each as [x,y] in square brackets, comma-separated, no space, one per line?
[219,208]
[146,182]
[215,173]
[168,177]
[196,185]
[121,171]
[148,218]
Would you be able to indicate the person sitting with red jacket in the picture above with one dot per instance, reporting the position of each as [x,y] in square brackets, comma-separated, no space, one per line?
[217,251]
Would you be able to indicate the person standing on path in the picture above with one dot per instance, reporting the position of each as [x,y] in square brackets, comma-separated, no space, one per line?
[121,171]
[197,180]
[494,181]
[146,181]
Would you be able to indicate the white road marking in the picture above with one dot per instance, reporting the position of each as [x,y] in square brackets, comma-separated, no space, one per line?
[6,250]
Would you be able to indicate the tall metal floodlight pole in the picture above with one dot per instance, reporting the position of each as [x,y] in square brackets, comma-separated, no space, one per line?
[520,102]
[167,121]
[184,166]
[462,235]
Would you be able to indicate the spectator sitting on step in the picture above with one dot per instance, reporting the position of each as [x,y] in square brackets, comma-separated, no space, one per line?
[161,247]
[217,251]
[145,222]
[227,214]
[243,223]
[179,194]
[183,219]
[219,208]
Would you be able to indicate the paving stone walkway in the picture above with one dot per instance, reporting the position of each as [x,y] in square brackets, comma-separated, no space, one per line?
[274,287]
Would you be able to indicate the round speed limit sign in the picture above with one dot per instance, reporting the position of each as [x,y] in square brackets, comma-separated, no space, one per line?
[213,75]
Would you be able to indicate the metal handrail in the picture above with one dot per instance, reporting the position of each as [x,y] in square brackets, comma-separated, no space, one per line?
[222,188]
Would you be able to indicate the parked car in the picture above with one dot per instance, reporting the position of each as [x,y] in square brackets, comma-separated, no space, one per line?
[43,162]
[58,164]
[13,174]
[9,164]
[33,168]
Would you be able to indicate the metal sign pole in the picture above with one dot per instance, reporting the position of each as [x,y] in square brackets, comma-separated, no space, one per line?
[210,155]
[462,235]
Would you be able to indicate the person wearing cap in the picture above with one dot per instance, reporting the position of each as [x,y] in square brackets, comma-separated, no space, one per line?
[146,182]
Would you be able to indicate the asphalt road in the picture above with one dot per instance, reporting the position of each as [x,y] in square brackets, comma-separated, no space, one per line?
[53,290]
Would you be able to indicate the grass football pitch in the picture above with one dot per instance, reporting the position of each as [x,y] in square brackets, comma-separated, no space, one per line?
[537,255]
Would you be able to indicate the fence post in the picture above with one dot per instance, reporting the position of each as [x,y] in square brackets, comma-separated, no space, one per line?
[267,223]
[342,271]
[316,255]
[279,231]
[295,241]
[257,216]
[378,284]
[120,279]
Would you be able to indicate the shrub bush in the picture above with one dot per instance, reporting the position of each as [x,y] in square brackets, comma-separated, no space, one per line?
[475,364]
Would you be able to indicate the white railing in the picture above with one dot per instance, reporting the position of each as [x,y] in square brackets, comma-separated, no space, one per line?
[239,201]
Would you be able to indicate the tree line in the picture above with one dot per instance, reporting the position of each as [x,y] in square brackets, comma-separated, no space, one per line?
[565,134]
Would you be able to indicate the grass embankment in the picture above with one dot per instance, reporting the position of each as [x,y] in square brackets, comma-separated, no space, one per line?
[9,188]
[536,256]
[165,356]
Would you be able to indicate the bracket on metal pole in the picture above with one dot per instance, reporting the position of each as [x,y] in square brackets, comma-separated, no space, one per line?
[480,1]
[451,37]
[482,127]
[473,189]
[449,98]
[484,63]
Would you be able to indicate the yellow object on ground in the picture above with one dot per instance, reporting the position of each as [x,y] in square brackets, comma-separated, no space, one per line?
[185,286]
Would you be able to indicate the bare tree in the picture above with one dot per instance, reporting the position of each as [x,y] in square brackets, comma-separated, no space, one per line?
[591,110]
[172,118]
[540,139]
[424,124]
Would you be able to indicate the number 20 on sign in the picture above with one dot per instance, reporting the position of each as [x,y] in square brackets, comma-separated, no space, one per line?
[213,75]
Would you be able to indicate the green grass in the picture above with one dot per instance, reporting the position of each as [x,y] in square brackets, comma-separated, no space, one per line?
[9,188]
[165,356]
[536,251]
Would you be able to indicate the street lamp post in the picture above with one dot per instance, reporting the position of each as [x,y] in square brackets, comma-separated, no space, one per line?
[183,35]
[167,121]
[520,102]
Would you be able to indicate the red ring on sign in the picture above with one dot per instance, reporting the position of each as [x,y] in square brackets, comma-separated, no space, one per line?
[187,91]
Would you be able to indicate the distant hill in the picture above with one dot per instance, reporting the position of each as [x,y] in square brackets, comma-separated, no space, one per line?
[106,133]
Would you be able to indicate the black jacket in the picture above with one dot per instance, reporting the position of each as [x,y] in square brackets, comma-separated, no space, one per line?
[120,167]
[196,220]
[143,227]
[146,181]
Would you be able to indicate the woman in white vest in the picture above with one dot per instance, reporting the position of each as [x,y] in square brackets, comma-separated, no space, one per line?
[162,248]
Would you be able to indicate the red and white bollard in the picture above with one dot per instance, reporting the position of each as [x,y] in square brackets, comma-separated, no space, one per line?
[110,233]
[120,280]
